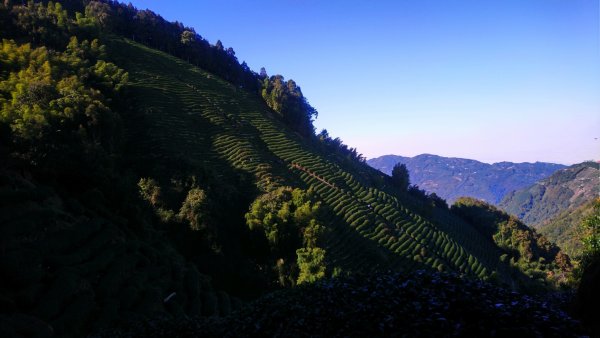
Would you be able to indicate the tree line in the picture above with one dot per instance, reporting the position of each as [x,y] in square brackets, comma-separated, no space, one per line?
[52,22]
[59,92]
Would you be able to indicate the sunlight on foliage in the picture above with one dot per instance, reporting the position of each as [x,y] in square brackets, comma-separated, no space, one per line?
[289,219]
[311,262]
[193,209]
[591,231]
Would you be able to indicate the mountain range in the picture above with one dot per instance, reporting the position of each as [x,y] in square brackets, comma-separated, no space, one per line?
[451,178]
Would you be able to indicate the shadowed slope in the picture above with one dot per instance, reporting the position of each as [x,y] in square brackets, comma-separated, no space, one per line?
[187,111]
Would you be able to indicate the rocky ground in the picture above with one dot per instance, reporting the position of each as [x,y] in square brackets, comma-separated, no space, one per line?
[391,305]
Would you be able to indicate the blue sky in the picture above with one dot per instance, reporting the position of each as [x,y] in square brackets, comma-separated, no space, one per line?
[495,80]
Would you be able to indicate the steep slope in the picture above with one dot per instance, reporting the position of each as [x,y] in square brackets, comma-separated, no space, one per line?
[564,229]
[189,113]
[134,185]
[451,178]
[557,205]
[567,189]
[525,249]
[73,264]
[114,261]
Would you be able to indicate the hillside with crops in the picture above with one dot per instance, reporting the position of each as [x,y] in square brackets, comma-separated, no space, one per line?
[142,179]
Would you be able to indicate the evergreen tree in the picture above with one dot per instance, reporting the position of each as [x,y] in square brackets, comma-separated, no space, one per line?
[400,176]
[263,73]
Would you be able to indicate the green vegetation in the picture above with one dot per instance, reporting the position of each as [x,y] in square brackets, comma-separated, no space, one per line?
[564,229]
[557,205]
[400,176]
[141,187]
[591,231]
[588,271]
[289,219]
[588,234]
[337,146]
[311,262]
[73,263]
[194,208]
[286,98]
[524,249]
[57,104]
[368,227]
[565,190]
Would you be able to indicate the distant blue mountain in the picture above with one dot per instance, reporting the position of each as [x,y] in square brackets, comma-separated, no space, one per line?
[451,177]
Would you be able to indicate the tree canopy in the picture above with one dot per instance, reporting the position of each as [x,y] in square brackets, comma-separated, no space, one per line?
[286,98]
[54,24]
[400,176]
[59,103]
[290,221]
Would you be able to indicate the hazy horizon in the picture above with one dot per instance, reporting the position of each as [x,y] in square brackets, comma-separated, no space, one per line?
[474,159]
[497,81]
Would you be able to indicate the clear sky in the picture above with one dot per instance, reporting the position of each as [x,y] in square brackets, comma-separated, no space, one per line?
[494,80]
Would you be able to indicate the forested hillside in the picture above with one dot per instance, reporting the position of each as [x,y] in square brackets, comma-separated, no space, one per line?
[565,230]
[566,189]
[525,250]
[451,178]
[145,173]
[557,204]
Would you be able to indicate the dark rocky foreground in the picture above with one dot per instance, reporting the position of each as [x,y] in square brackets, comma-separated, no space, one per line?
[421,304]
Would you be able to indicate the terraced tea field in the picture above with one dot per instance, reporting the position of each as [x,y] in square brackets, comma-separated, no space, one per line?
[182,112]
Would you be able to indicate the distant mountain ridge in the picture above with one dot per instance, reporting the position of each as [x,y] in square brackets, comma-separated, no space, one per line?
[451,178]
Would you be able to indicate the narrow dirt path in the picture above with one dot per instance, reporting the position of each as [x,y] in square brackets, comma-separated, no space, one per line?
[297,166]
